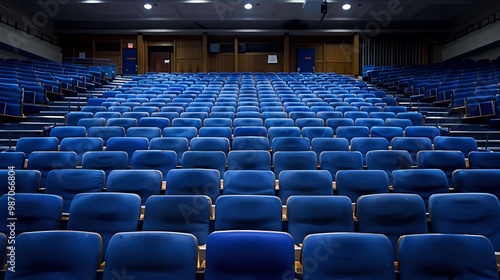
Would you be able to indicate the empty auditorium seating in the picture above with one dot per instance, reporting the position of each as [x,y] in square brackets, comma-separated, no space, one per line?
[477,180]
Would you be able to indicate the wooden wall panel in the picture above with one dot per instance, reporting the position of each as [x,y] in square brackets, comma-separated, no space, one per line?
[188,54]
[221,62]
[257,62]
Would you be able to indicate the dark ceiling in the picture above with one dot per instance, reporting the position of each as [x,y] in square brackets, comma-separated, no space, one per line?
[230,16]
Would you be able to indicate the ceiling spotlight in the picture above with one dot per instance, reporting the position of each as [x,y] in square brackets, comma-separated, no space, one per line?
[346,7]
[148,6]
[248,6]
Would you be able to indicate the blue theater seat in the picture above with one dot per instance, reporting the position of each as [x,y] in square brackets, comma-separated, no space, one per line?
[454,143]
[176,258]
[26,181]
[253,182]
[318,214]
[482,160]
[168,213]
[294,160]
[304,182]
[56,255]
[360,256]
[194,181]
[177,144]
[186,132]
[106,132]
[269,256]
[447,161]
[248,212]
[128,145]
[205,159]
[412,145]
[249,160]
[12,159]
[210,144]
[161,160]
[33,212]
[47,161]
[290,144]
[105,214]
[424,182]
[105,160]
[388,161]
[29,144]
[406,215]
[72,118]
[355,183]
[366,144]
[144,182]
[466,213]
[446,256]
[69,182]
[91,122]
[81,145]
[477,180]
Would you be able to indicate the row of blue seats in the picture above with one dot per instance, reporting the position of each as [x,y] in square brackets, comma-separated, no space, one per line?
[275,143]
[228,256]
[465,213]
[352,183]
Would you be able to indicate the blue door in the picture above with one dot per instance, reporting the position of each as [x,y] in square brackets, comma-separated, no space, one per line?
[129,62]
[305,60]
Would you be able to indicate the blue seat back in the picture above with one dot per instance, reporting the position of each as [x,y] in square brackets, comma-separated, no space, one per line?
[56,254]
[231,257]
[361,256]
[176,258]
[248,212]
[179,213]
[317,214]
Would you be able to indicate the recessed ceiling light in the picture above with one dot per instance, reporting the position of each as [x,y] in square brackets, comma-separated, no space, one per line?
[148,6]
[248,6]
[346,7]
